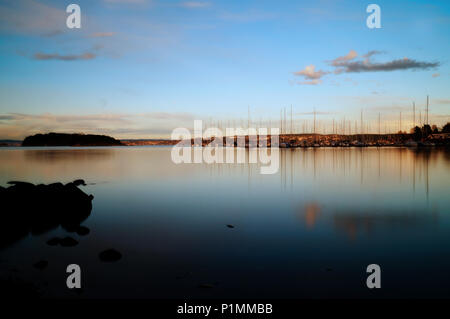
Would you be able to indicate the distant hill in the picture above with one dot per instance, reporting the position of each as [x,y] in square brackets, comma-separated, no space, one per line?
[63,139]
[10,143]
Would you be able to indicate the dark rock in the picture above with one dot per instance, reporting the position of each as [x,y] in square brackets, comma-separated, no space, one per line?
[110,255]
[230,226]
[79,182]
[54,241]
[42,264]
[68,242]
[39,208]
[21,184]
[82,230]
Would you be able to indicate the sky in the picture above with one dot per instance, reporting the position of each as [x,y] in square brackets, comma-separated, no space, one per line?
[140,68]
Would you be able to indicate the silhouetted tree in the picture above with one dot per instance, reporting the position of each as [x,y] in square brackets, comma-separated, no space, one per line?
[434,128]
[446,128]
[426,130]
[417,133]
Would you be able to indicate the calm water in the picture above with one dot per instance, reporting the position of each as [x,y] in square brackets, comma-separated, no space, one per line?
[308,231]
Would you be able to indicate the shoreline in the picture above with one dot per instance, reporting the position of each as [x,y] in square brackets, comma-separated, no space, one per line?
[306,140]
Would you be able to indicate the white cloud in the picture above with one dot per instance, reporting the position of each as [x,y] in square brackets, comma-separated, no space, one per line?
[310,73]
[350,56]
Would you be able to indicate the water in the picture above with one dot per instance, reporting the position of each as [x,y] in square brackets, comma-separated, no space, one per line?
[308,231]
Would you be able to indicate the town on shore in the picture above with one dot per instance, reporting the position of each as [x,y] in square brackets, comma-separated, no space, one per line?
[419,137]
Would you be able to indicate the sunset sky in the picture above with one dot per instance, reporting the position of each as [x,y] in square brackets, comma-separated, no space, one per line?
[140,68]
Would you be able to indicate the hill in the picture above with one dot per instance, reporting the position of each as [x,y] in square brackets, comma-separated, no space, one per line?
[63,139]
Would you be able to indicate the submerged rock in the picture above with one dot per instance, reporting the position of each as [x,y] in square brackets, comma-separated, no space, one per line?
[110,255]
[54,241]
[39,208]
[68,242]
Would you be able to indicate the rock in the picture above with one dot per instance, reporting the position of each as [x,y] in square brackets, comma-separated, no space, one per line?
[54,241]
[42,264]
[21,184]
[39,208]
[230,226]
[82,231]
[79,182]
[110,255]
[68,242]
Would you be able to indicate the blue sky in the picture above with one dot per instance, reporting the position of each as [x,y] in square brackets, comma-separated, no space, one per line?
[139,68]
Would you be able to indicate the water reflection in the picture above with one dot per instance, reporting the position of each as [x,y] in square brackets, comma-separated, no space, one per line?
[322,209]
[67,154]
[369,222]
[311,214]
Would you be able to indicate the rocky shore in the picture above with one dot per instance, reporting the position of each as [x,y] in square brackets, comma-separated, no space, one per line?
[35,209]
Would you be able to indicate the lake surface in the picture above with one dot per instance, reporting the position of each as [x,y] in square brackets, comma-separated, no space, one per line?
[308,231]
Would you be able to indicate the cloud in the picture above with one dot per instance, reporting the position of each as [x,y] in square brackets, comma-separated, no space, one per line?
[195,4]
[435,75]
[310,73]
[133,125]
[31,17]
[350,63]
[346,64]
[56,56]
[342,59]
[64,118]
[394,65]
[102,34]
[370,53]
[166,115]
[440,101]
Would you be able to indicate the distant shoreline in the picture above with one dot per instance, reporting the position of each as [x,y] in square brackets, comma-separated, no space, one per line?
[285,140]
[319,140]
